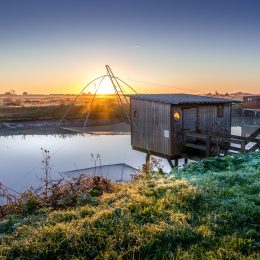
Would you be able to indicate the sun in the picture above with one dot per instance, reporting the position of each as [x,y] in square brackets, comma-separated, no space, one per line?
[105,87]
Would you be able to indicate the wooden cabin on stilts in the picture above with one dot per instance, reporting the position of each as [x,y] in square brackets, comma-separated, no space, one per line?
[176,126]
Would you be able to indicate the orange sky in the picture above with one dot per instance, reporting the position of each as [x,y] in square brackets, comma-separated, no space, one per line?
[54,47]
[70,80]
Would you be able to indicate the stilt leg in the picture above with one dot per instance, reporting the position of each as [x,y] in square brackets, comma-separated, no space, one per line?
[147,158]
[170,163]
[146,166]
[176,162]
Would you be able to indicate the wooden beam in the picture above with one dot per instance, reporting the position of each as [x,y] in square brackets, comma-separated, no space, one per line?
[147,158]
[254,147]
[243,147]
[196,146]
[254,135]
[170,163]
[176,162]
[203,135]
[233,148]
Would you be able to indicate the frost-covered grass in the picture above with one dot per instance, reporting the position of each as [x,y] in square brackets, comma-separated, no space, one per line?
[208,210]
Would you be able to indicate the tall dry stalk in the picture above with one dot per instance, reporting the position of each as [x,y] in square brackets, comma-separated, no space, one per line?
[46,168]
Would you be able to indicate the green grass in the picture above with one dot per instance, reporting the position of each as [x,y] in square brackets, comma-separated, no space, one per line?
[208,210]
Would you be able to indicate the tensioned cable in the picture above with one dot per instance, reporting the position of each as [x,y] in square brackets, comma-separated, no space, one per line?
[72,103]
[30,171]
[85,124]
[126,85]
[25,175]
[167,86]
[11,189]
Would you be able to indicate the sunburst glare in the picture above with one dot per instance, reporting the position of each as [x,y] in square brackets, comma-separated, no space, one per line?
[105,87]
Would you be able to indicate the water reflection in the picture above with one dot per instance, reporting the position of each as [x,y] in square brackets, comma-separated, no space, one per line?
[20,159]
[20,156]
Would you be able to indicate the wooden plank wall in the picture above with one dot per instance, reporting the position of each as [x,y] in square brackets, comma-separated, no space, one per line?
[189,122]
[190,119]
[208,119]
[149,124]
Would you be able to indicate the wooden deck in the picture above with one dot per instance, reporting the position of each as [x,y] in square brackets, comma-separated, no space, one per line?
[212,144]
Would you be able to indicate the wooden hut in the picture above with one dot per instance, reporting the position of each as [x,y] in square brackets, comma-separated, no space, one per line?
[159,121]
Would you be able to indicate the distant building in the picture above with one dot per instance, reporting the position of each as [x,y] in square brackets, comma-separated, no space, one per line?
[10,93]
[251,103]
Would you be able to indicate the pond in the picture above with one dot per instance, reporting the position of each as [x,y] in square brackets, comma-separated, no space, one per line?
[21,157]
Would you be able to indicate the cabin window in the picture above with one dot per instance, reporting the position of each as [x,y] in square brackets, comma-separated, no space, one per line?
[176,116]
[135,114]
[220,111]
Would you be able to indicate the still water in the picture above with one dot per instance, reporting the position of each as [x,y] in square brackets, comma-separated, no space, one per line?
[21,157]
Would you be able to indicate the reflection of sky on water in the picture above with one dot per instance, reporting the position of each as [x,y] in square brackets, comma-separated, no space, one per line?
[20,156]
[20,159]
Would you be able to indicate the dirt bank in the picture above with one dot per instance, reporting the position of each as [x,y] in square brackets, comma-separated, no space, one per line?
[112,126]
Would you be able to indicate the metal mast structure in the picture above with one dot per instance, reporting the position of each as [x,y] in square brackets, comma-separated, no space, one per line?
[119,92]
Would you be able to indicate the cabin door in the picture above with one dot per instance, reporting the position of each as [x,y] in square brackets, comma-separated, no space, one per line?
[189,122]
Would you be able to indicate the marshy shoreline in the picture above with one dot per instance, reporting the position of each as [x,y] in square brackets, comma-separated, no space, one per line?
[50,127]
[98,125]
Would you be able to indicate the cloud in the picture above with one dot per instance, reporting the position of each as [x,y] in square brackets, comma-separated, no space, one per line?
[136,46]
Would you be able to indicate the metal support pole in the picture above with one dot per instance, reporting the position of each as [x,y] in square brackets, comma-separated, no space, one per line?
[112,79]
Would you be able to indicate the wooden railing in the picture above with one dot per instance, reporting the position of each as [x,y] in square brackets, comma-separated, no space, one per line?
[221,142]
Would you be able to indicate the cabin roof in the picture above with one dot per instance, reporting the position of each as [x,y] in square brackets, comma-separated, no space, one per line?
[178,99]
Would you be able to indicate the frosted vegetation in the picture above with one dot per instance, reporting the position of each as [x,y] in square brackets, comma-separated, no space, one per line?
[207,210]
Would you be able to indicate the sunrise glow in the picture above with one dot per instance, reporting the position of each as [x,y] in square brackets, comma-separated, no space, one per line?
[64,49]
[105,87]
